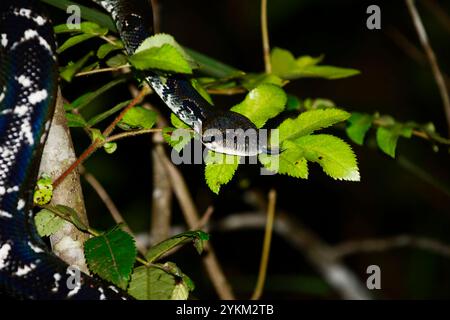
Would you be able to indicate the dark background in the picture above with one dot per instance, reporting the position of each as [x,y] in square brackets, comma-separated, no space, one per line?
[394,196]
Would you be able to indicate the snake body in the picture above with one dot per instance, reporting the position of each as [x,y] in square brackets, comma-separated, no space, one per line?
[28,83]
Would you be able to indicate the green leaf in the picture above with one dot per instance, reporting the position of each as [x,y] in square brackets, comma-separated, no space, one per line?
[73,41]
[166,58]
[177,122]
[177,138]
[318,103]
[47,223]
[111,255]
[287,67]
[159,282]
[310,121]
[69,71]
[333,154]
[87,98]
[197,86]
[165,246]
[159,40]
[290,162]
[102,116]
[219,169]
[110,147]
[262,103]
[387,137]
[75,120]
[107,48]
[251,81]
[117,61]
[359,124]
[293,103]
[138,118]
[43,191]
[68,214]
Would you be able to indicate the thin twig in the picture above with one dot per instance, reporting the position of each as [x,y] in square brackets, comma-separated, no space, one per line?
[266,247]
[379,245]
[227,92]
[131,134]
[420,29]
[85,73]
[265,37]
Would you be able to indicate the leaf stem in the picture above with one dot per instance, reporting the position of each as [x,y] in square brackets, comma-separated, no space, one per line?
[265,37]
[266,246]
[85,73]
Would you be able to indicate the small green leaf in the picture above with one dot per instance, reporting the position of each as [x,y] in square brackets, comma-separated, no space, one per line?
[359,124]
[165,246]
[107,48]
[111,255]
[117,61]
[177,122]
[47,223]
[197,86]
[110,147]
[177,138]
[159,282]
[138,118]
[96,134]
[333,154]
[287,67]
[75,120]
[310,121]
[251,81]
[219,169]
[293,103]
[73,41]
[290,162]
[44,190]
[387,137]
[166,58]
[262,103]
[69,71]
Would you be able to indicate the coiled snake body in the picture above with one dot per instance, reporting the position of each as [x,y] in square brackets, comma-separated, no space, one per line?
[28,82]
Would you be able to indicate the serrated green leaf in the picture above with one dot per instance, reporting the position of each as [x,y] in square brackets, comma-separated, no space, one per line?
[287,67]
[69,71]
[138,118]
[47,223]
[251,81]
[163,247]
[290,162]
[333,154]
[262,103]
[75,120]
[111,255]
[219,169]
[177,138]
[310,121]
[166,58]
[160,39]
[387,137]
[359,124]
[159,282]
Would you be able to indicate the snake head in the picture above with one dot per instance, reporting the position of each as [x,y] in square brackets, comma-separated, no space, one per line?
[232,133]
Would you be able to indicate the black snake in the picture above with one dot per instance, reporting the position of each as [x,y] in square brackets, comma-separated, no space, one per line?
[28,83]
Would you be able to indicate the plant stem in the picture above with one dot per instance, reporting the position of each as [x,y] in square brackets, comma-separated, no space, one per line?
[266,246]
[420,29]
[265,37]
[85,73]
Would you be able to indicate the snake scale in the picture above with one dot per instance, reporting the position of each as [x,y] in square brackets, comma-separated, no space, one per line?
[28,84]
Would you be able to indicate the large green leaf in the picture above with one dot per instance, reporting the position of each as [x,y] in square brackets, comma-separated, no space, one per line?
[160,282]
[310,121]
[111,255]
[219,169]
[196,237]
[262,103]
[333,154]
